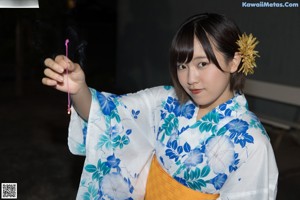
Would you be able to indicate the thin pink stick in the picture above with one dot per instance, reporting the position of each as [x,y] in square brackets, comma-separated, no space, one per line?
[69,101]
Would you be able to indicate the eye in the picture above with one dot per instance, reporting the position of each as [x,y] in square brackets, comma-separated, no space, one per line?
[181,66]
[202,64]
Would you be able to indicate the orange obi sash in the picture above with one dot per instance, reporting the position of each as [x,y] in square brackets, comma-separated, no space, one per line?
[162,186]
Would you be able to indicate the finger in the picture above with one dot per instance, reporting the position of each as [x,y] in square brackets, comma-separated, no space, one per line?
[73,66]
[52,83]
[59,58]
[63,61]
[49,82]
[53,75]
[53,65]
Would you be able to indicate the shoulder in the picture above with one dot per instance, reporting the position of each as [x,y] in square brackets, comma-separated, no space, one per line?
[153,92]
[158,92]
[245,118]
[146,98]
[255,131]
[244,128]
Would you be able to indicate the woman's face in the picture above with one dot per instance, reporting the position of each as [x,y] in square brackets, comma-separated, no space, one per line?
[203,81]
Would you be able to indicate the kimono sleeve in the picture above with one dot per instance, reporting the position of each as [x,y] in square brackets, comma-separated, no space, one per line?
[257,176]
[118,140]
[78,128]
[134,110]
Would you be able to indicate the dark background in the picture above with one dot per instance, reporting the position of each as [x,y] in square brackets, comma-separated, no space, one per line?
[126,46]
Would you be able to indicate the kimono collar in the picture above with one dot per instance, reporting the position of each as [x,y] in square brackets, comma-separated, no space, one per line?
[237,102]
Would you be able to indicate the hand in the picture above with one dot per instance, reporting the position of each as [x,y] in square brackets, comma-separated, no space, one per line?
[56,75]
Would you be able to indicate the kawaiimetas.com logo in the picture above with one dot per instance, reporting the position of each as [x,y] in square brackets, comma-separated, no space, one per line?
[265,4]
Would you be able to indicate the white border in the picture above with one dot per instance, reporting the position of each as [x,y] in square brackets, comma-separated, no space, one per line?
[19,4]
[2,197]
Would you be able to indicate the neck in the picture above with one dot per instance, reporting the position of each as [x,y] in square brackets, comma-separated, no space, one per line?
[204,109]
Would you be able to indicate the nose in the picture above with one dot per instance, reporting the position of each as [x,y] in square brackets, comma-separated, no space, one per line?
[193,76]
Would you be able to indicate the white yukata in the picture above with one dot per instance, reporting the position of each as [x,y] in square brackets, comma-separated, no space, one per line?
[226,152]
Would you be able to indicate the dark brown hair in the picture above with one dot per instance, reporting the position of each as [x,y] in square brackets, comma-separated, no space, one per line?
[208,26]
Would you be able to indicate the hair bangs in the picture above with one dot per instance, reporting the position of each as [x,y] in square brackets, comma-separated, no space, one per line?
[203,37]
[183,47]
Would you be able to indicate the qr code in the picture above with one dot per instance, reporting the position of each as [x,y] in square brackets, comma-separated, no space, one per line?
[9,191]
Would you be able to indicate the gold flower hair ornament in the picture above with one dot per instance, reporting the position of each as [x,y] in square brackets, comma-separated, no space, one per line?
[246,49]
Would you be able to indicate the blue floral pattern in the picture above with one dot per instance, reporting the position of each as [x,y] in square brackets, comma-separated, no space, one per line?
[123,131]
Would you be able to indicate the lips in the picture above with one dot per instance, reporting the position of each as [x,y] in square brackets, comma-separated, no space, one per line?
[196,91]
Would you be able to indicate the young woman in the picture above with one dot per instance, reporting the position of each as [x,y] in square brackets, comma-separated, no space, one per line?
[193,140]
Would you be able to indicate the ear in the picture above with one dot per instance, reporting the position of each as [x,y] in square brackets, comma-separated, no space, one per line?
[235,62]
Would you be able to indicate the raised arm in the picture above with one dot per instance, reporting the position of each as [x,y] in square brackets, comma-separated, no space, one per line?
[56,76]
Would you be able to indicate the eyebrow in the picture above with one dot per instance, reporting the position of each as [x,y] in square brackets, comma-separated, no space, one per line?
[200,57]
